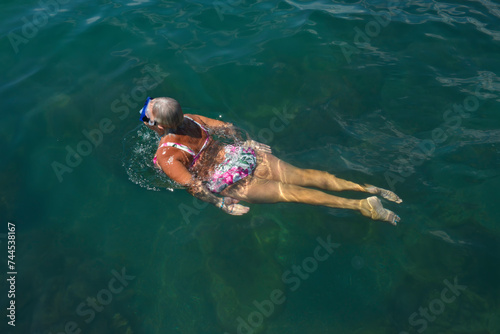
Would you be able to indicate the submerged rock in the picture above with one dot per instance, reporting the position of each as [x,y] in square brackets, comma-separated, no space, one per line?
[243,275]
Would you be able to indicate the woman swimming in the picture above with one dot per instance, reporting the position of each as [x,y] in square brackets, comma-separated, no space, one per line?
[245,171]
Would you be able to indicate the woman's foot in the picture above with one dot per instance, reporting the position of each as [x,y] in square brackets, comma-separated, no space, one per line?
[372,207]
[387,194]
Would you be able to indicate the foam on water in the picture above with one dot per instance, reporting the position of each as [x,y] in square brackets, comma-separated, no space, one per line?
[139,148]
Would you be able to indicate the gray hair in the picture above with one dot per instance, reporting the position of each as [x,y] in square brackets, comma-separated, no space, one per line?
[167,112]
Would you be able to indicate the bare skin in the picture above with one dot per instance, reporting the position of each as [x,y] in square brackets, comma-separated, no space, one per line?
[276,181]
[272,181]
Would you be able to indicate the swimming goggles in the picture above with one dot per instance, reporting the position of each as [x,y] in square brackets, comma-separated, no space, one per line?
[145,118]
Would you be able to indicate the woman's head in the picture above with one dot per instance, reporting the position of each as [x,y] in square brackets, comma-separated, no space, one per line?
[167,112]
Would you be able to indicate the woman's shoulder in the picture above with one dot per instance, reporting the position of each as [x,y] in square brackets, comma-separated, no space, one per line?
[197,118]
[206,121]
[173,148]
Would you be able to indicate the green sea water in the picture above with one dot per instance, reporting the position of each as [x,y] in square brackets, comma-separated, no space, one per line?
[403,95]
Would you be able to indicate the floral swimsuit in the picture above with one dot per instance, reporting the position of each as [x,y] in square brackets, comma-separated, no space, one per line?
[239,162]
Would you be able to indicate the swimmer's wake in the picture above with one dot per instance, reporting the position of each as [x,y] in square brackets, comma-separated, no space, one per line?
[137,144]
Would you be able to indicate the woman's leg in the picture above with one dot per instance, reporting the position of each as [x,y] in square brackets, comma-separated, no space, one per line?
[255,190]
[272,168]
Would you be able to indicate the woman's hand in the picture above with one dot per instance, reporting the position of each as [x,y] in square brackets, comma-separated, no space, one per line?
[230,206]
[235,209]
[258,146]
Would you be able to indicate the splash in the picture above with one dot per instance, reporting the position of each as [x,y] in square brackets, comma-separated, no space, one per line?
[139,148]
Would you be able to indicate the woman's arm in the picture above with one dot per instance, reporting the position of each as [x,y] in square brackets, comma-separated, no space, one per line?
[175,169]
[231,131]
[227,204]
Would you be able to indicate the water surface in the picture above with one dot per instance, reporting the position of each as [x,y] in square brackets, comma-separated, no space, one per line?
[402,95]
